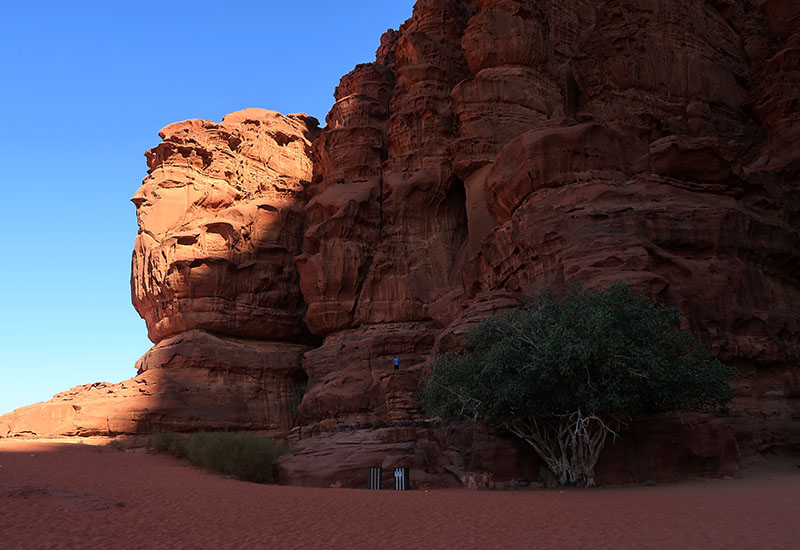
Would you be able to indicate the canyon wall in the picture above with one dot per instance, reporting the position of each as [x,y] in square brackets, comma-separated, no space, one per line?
[499,146]
[492,148]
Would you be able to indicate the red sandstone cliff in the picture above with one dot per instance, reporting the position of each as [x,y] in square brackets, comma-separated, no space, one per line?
[220,218]
[498,146]
[493,147]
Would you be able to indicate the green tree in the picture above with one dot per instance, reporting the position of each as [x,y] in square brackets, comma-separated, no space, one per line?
[563,373]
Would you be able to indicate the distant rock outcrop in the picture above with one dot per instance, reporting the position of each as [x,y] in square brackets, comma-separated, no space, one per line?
[493,147]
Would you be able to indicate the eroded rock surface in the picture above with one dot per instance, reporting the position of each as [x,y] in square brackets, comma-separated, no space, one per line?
[492,148]
[516,145]
[189,382]
[220,220]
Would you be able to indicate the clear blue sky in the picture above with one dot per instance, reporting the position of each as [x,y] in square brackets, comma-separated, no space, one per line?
[84,89]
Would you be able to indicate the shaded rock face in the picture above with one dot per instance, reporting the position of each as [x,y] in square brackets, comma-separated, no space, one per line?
[492,148]
[499,146]
[436,456]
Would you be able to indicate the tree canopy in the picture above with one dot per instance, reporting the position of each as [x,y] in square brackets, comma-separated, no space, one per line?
[561,366]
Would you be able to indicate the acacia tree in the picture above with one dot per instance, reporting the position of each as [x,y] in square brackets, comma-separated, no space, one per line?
[564,373]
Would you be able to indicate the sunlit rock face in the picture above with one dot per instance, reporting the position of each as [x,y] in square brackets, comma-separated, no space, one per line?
[188,382]
[493,147]
[220,220]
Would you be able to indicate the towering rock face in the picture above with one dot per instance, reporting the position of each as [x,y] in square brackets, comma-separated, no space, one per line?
[220,220]
[494,147]
[396,224]
[499,146]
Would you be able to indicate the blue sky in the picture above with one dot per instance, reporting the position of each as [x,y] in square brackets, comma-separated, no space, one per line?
[84,89]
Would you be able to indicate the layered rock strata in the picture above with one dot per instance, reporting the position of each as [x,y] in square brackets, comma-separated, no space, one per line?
[188,382]
[220,220]
[492,148]
[517,145]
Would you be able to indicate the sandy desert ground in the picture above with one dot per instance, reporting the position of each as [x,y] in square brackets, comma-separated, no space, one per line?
[56,495]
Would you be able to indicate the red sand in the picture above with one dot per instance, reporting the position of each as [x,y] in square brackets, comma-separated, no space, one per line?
[80,496]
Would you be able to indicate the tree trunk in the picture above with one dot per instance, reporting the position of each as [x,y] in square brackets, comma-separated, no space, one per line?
[570,445]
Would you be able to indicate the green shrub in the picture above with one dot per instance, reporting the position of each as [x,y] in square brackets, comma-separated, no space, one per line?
[241,455]
[245,456]
[168,443]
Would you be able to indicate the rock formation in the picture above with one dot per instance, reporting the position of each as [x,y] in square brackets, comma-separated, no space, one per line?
[516,145]
[492,148]
[220,219]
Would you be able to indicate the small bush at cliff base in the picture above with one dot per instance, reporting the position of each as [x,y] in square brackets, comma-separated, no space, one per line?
[168,443]
[562,373]
[247,457]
